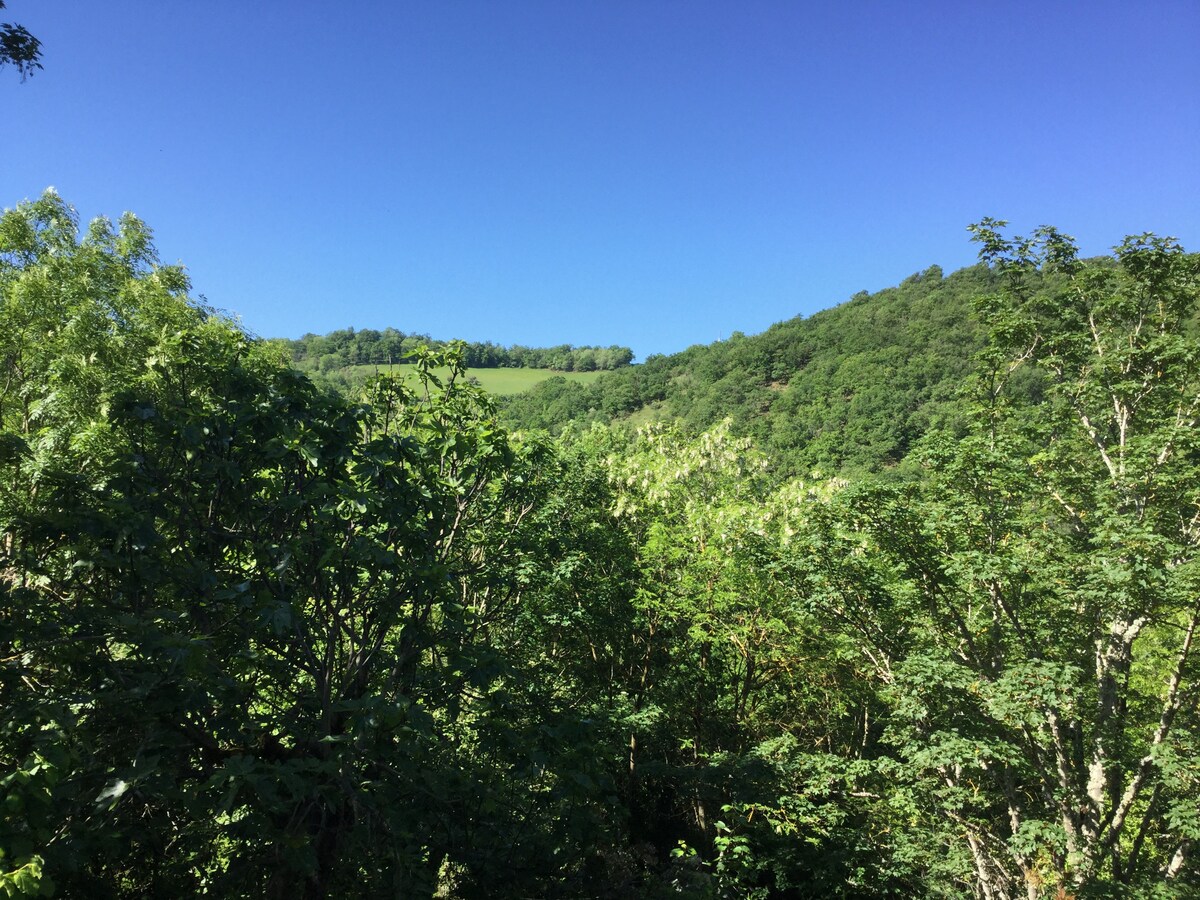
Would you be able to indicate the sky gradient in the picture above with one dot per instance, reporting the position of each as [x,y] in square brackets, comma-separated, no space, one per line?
[650,174]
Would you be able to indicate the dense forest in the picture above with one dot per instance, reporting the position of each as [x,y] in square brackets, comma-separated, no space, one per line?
[260,639]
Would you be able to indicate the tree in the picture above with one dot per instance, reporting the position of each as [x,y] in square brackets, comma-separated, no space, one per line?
[1041,590]
[19,48]
[248,629]
[737,700]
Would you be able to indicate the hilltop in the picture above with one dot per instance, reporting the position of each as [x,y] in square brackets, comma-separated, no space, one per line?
[849,389]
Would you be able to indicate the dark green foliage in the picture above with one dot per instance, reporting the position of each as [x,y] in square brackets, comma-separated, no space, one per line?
[249,630]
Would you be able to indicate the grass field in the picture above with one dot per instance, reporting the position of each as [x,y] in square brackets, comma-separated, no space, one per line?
[494,381]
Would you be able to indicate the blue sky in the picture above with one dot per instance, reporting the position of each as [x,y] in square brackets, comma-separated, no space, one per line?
[651,174]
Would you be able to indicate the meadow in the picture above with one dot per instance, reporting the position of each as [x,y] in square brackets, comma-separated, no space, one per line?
[501,382]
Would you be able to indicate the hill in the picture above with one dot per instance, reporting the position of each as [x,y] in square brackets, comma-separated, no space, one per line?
[848,390]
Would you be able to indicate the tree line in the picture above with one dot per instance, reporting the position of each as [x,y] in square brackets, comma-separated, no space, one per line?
[259,640]
[349,347]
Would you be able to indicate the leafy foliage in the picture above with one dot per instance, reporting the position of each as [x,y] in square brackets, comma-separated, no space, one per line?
[248,625]
[258,639]
[1043,688]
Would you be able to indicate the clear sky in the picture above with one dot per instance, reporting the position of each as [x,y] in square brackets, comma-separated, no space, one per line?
[639,172]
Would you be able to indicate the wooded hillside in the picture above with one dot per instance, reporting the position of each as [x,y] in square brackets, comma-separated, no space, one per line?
[848,390]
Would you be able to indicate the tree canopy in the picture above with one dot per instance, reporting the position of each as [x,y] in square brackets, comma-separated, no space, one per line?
[259,639]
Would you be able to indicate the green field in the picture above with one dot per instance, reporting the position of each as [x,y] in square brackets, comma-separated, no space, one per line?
[495,381]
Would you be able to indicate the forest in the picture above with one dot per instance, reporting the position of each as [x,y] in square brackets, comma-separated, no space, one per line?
[899,600]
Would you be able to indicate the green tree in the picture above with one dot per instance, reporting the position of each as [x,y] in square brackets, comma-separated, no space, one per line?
[1040,599]
[249,629]
[737,700]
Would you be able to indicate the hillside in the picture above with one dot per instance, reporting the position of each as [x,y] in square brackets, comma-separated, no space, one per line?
[846,390]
